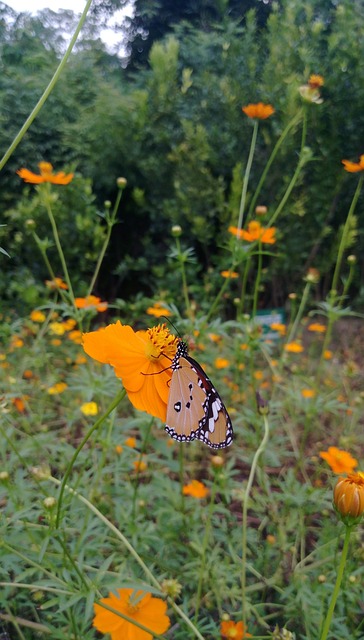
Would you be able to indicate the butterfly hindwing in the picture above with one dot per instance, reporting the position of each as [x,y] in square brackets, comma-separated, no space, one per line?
[195,409]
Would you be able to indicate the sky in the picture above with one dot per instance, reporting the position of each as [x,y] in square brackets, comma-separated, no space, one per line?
[77,6]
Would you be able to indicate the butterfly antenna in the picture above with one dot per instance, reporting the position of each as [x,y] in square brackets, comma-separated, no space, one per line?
[173,325]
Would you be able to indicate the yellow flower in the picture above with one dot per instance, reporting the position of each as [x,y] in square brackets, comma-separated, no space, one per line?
[349,497]
[158,310]
[234,630]
[317,327]
[136,605]
[221,363]
[57,328]
[327,354]
[46,175]
[142,360]
[354,167]
[255,232]
[196,489]
[89,409]
[119,449]
[340,461]
[59,387]
[91,302]
[37,316]
[293,347]
[259,110]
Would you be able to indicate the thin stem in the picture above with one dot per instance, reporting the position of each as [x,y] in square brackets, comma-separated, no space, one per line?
[249,485]
[243,286]
[257,280]
[344,237]
[48,90]
[300,312]
[301,162]
[45,192]
[204,550]
[181,260]
[278,144]
[246,178]
[88,435]
[340,573]
[110,221]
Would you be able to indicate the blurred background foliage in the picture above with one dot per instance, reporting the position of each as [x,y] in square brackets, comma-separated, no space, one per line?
[168,118]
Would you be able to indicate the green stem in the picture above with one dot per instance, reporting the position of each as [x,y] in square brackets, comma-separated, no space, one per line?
[110,221]
[300,313]
[339,577]
[246,179]
[181,260]
[249,485]
[301,162]
[45,193]
[243,286]
[344,237]
[88,435]
[279,143]
[204,550]
[257,280]
[48,90]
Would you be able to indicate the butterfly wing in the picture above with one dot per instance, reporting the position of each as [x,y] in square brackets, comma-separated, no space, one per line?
[195,409]
[186,399]
[215,427]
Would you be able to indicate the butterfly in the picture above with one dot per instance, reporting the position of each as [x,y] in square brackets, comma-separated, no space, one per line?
[195,409]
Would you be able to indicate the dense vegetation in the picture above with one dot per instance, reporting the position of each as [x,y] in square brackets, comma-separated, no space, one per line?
[174,129]
[213,178]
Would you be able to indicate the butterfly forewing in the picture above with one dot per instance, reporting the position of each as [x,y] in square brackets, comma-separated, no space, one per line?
[195,409]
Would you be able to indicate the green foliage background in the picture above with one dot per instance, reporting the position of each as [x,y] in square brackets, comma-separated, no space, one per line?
[174,128]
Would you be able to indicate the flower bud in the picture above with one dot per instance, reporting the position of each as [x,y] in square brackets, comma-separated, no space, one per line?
[261,210]
[349,498]
[176,231]
[49,502]
[351,259]
[121,183]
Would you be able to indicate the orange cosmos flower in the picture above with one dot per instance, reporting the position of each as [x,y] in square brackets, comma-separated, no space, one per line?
[349,497]
[278,326]
[91,302]
[158,311]
[46,175]
[37,316]
[317,327]
[229,274]
[140,465]
[59,387]
[308,393]
[234,630]
[260,110]
[221,363]
[293,347]
[255,232]
[354,167]
[137,605]
[340,461]
[196,489]
[315,81]
[19,403]
[142,359]
[56,283]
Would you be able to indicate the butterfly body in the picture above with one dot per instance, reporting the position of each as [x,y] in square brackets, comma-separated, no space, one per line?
[195,409]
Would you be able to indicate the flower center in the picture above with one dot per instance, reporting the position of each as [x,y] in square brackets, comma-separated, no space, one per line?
[160,341]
